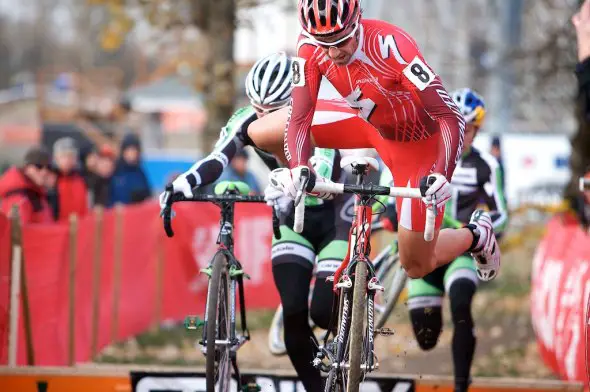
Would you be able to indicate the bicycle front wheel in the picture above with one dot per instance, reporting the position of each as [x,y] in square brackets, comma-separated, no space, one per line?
[359,312]
[218,361]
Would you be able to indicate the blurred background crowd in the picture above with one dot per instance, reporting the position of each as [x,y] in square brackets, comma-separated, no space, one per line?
[101,71]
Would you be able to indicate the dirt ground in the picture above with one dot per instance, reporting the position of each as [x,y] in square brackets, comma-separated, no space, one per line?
[505,340]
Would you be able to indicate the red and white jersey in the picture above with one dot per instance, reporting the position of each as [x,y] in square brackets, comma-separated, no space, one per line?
[388,82]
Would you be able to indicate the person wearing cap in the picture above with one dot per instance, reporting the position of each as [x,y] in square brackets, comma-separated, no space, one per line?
[70,189]
[24,187]
[129,183]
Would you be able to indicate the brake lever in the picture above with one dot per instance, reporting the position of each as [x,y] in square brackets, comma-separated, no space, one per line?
[304,177]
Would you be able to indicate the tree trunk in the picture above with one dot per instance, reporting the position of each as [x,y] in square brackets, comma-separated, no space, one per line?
[218,28]
[580,158]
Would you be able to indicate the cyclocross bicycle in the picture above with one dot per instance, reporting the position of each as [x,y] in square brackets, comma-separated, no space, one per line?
[390,274]
[350,355]
[220,340]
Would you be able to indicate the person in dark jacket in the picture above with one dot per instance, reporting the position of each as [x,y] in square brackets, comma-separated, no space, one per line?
[70,189]
[24,186]
[98,166]
[129,183]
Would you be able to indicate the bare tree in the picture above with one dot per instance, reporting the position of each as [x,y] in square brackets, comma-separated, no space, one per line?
[217,19]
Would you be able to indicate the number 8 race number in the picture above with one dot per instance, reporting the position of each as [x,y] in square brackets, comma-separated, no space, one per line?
[419,74]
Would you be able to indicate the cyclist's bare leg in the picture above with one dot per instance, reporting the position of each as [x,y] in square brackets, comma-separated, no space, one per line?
[268,132]
[420,257]
[346,130]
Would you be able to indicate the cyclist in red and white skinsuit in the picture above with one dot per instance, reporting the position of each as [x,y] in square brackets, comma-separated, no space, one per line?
[395,103]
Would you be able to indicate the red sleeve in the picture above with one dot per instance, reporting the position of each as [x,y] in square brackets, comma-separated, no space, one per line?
[306,84]
[431,96]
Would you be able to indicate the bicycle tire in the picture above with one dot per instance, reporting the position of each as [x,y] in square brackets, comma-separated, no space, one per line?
[392,292]
[336,380]
[356,335]
[218,362]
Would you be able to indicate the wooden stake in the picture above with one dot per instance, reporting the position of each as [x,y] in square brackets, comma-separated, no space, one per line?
[118,248]
[96,275]
[73,248]
[14,286]
[159,283]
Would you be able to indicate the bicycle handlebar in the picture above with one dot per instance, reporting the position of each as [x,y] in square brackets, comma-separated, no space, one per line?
[170,198]
[369,190]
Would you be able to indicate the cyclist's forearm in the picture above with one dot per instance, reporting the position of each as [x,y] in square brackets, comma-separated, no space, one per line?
[209,169]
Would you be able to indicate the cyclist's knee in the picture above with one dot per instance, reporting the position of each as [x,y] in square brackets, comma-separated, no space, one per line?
[461,293]
[321,303]
[417,268]
[416,255]
[427,326]
[292,280]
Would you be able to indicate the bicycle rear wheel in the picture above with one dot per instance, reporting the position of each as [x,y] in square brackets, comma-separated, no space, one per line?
[359,313]
[218,361]
[393,278]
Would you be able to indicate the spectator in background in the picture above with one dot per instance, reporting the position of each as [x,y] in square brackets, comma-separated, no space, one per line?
[496,152]
[237,170]
[25,187]
[51,187]
[129,183]
[71,190]
[97,169]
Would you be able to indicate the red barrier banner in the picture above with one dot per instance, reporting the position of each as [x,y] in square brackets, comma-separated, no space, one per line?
[136,259]
[4,285]
[560,288]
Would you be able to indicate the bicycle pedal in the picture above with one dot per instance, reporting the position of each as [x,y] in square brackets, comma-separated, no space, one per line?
[193,322]
[385,331]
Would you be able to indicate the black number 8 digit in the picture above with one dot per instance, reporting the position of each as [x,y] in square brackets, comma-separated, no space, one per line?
[420,73]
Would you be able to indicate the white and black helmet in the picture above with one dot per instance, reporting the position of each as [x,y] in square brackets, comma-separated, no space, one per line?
[268,84]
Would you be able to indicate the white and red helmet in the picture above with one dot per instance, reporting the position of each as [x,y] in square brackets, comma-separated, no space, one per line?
[328,17]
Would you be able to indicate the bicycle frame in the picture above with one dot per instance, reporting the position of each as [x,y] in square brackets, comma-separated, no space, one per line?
[360,248]
[235,274]
[225,242]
